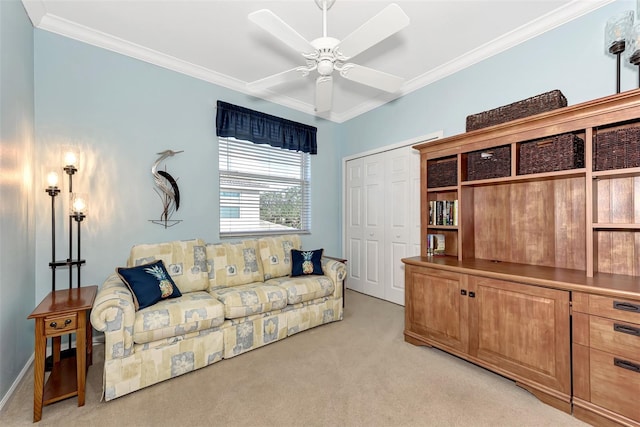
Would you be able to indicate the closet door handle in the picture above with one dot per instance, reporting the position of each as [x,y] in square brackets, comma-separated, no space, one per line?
[472,294]
[463,292]
[625,364]
[626,329]
[626,306]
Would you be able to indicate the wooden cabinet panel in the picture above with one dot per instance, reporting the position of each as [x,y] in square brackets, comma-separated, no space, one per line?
[518,330]
[538,223]
[523,329]
[615,308]
[615,337]
[614,387]
[434,308]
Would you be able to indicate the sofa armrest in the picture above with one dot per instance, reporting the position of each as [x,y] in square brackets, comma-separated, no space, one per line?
[113,313]
[336,271]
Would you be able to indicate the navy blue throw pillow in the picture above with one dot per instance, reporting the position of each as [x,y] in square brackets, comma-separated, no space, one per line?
[149,283]
[306,262]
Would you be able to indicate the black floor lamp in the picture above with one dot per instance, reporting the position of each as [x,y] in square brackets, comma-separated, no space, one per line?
[77,213]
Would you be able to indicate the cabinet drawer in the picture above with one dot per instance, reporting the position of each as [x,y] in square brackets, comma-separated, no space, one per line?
[58,325]
[615,337]
[615,382]
[615,308]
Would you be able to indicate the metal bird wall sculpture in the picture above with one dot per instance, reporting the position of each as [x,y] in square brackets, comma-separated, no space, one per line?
[167,189]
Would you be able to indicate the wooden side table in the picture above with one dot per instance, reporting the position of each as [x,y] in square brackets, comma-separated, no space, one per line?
[344,261]
[61,313]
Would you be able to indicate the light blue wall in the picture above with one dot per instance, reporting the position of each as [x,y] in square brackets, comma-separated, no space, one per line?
[122,112]
[17,279]
[570,58]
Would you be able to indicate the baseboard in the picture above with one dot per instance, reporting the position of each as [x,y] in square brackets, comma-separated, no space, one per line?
[15,384]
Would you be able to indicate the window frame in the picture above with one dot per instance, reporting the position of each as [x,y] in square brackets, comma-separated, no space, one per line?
[258,177]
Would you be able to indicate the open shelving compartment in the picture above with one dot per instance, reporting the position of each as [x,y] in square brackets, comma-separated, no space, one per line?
[615,221]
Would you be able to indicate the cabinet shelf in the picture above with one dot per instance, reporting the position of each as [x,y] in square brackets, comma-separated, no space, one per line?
[572,173]
[616,173]
[441,189]
[442,227]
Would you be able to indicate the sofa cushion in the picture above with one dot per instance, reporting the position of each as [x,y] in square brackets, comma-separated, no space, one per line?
[149,283]
[275,254]
[254,298]
[192,312]
[233,264]
[304,288]
[306,262]
[185,261]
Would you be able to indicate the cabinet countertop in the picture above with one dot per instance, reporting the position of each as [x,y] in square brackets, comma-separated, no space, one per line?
[558,278]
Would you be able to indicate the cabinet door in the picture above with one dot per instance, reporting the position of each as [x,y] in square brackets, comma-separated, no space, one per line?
[435,310]
[523,330]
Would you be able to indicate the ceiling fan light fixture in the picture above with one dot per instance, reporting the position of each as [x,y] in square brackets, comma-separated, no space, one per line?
[325,67]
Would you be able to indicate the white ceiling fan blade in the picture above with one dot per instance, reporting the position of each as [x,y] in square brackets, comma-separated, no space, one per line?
[324,93]
[276,79]
[387,22]
[273,24]
[371,77]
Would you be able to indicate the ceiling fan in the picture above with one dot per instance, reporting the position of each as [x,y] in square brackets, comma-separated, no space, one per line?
[326,54]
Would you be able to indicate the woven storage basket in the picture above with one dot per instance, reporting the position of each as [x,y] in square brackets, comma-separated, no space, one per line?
[544,102]
[617,149]
[490,163]
[442,172]
[557,153]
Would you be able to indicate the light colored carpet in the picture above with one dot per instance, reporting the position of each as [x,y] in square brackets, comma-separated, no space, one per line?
[357,372]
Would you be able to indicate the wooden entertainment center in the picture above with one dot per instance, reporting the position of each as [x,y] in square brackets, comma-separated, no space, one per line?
[540,281]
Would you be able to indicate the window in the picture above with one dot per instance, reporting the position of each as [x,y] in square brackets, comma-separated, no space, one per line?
[263,190]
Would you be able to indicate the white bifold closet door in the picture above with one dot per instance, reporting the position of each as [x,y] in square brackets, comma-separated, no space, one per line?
[382,220]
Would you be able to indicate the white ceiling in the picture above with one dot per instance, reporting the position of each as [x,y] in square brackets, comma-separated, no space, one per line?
[213,40]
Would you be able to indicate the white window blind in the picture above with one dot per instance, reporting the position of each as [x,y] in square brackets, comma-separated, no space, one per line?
[263,189]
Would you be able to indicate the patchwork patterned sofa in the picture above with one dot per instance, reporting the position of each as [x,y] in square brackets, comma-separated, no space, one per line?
[236,297]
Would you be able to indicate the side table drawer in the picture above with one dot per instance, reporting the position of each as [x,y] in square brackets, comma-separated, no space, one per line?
[615,382]
[59,325]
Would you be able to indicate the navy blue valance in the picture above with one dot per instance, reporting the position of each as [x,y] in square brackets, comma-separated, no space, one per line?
[260,128]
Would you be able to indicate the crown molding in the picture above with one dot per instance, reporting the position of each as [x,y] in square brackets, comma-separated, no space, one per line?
[43,20]
[507,41]
[515,37]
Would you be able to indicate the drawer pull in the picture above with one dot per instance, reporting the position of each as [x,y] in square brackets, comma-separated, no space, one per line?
[626,329]
[626,306]
[54,325]
[625,364]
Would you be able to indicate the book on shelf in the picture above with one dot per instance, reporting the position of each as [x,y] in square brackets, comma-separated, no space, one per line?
[443,212]
[435,244]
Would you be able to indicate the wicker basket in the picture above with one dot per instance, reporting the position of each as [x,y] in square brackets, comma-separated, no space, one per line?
[617,149]
[527,107]
[442,172]
[491,163]
[557,153]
